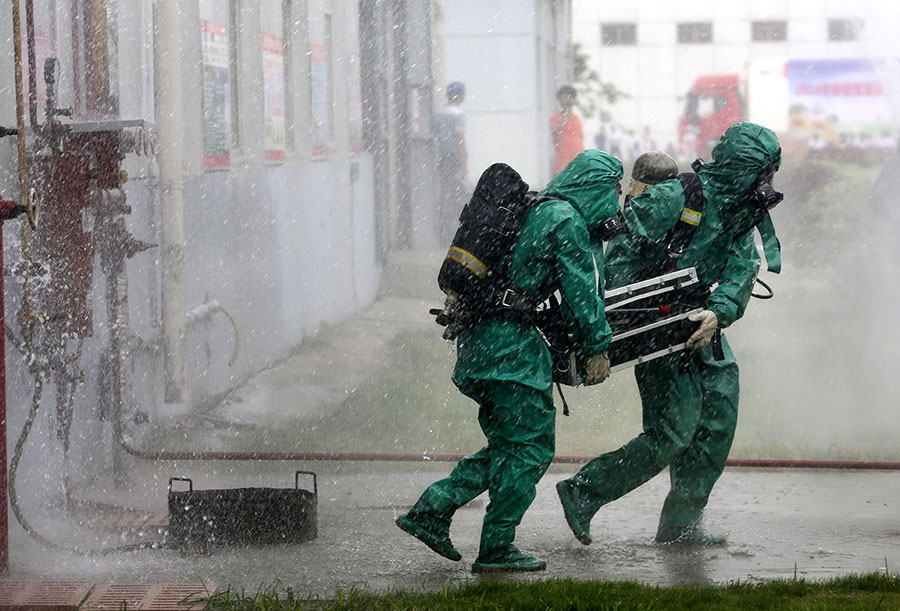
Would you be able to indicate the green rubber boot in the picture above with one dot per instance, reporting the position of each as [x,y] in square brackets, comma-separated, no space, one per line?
[436,540]
[568,496]
[507,560]
[689,535]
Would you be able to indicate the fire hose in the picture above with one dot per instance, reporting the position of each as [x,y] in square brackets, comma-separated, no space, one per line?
[13,498]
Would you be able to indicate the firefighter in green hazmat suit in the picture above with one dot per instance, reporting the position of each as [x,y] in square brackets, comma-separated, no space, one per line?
[505,366]
[689,399]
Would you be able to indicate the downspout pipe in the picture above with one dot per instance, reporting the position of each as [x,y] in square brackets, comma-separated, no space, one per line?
[23,197]
[167,60]
[32,65]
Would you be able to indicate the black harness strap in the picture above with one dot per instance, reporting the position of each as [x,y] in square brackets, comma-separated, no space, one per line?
[683,232]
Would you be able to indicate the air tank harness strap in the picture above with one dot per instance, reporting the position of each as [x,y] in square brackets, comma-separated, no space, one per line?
[507,299]
[683,232]
[505,296]
[563,397]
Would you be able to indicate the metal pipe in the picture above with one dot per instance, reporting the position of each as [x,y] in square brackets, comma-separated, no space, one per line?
[4,517]
[23,197]
[32,65]
[425,457]
[167,54]
[775,463]
[76,59]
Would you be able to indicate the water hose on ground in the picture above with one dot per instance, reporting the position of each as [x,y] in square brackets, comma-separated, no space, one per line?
[13,498]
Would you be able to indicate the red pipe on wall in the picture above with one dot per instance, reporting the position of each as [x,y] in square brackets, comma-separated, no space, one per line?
[4,500]
[405,457]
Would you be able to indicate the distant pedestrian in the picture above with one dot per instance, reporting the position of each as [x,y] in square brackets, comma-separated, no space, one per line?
[450,135]
[600,139]
[565,127]
[648,142]
[614,141]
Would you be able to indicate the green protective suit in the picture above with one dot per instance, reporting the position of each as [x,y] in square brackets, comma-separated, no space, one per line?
[689,412]
[505,366]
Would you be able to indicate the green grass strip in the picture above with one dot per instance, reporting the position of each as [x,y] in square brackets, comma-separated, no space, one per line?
[870,591]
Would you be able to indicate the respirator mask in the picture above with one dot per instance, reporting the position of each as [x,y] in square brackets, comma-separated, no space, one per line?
[613,226]
[763,195]
[761,198]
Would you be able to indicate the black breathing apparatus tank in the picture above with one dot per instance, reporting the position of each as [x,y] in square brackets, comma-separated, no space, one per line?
[488,227]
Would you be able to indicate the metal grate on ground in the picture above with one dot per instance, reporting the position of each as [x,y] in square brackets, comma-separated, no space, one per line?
[155,597]
[43,595]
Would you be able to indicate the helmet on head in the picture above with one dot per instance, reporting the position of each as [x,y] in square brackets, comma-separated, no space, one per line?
[649,169]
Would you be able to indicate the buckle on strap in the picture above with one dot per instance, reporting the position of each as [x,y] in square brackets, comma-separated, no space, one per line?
[507,297]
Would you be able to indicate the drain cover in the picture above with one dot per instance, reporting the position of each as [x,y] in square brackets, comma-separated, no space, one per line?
[156,597]
[42,595]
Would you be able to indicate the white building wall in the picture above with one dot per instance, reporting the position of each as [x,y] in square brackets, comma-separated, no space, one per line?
[510,55]
[658,70]
[284,246]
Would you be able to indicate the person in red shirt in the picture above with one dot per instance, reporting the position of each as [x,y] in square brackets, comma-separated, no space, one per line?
[565,126]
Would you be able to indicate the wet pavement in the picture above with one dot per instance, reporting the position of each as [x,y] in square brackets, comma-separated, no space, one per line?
[778,523]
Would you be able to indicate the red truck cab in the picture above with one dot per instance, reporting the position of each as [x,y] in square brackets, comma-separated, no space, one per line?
[714,103]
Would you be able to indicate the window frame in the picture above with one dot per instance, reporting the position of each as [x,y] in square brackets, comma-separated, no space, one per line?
[694,32]
[844,29]
[611,34]
[770,25]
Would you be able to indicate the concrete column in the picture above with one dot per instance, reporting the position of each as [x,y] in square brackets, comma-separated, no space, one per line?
[167,57]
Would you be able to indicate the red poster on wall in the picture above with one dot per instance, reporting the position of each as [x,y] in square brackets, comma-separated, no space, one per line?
[273,100]
[216,96]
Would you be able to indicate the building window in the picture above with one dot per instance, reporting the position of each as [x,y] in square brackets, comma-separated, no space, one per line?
[288,42]
[695,32]
[769,31]
[844,29]
[618,33]
[234,57]
[274,79]
[329,50]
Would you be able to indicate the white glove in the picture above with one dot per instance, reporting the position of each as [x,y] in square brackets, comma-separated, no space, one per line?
[704,333]
[596,369]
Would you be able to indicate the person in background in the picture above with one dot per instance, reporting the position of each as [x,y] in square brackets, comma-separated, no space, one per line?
[450,134]
[600,139]
[648,143]
[615,142]
[566,130]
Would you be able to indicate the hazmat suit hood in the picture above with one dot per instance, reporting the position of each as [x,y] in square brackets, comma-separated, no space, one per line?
[589,184]
[743,151]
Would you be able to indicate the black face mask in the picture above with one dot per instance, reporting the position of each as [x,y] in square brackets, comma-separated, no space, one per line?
[612,227]
[760,199]
[762,195]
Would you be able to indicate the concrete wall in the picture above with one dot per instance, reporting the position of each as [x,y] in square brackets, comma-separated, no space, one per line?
[284,247]
[511,56]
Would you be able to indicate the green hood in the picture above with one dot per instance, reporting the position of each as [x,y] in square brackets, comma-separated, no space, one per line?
[742,152]
[739,156]
[589,184]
